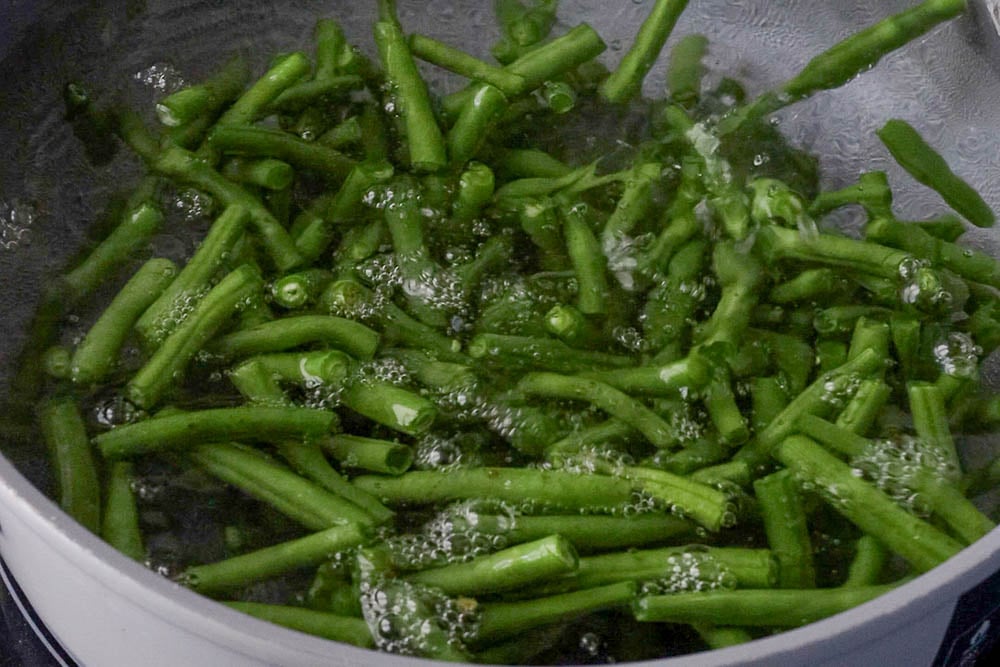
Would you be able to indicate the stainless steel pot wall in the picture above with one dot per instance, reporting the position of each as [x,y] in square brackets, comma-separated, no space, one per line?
[108,610]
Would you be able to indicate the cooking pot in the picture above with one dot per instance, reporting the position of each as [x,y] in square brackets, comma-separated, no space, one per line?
[106,610]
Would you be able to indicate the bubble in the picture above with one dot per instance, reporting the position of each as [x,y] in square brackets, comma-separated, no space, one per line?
[894,464]
[16,218]
[958,355]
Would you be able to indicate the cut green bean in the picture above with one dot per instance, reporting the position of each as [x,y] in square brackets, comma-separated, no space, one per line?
[345,629]
[425,145]
[626,81]
[165,367]
[213,425]
[381,456]
[927,166]
[77,483]
[98,352]
[272,561]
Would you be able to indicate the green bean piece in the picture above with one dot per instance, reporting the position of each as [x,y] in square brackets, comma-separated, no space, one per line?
[690,374]
[347,206]
[397,408]
[258,385]
[717,637]
[426,147]
[506,619]
[253,103]
[276,144]
[922,545]
[296,497]
[541,353]
[290,332]
[457,61]
[77,483]
[830,250]
[753,608]
[381,456]
[526,24]
[720,402]
[588,261]
[927,166]
[167,312]
[297,290]
[815,399]
[526,564]
[605,397]
[740,275]
[58,362]
[971,264]
[272,561]
[703,504]
[632,206]
[308,460]
[685,69]
[744,568]
[331,45]
[572,327]
[531,163]
[170,360]
[785,524]
[578,45]
[930,420]
[862,410]
[139,223]
[298,96]
[833,436]
[871,192]
[868,563]
[594,532]
[97,353]
[191,103]
[120,520]
[353,298]
[852,56]
[342,135]
[263,172]
[549,488]
[626,81]
[347,629]
[830,354]
[213,425]
[810,285]
[184,166]
[475,123]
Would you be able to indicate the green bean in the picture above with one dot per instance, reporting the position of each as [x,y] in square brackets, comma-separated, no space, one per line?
[166,313]
[97,353]
[526,564]
[626,81]
[550,488]
[77,484]
[330,626]
[454,60]
[120,519]
[381,456]
[308,460]
[291,332]
[922,545]
[272,561]
[426,146]
[168,363]
[785,524]
[927,166]
[264,142]
[213,425]
[774,608]
[252,104]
